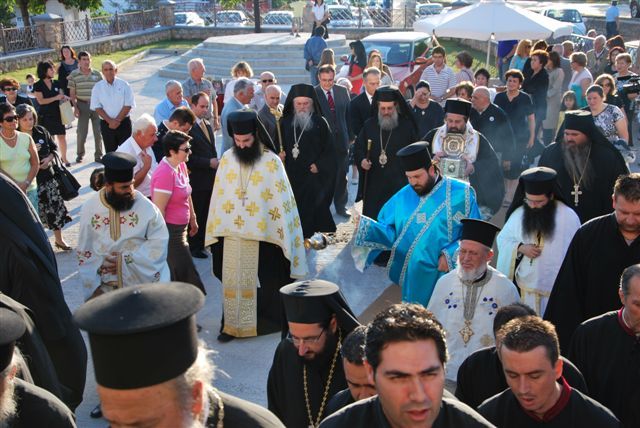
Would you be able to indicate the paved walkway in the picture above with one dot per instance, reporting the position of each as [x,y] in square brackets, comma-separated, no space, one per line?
[242,364]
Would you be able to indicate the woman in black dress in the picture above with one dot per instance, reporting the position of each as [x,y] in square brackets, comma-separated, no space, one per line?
[68,63]
[536,85]
[49,94]
[53,213]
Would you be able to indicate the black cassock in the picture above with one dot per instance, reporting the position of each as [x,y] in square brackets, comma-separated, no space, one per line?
[29,275]
[285,386]
[605,166]
[494,124]
[381,182]
[339,401]
[240,414]
[480,376]
[313,192]
[369,414]
[575,410]
[487,178]
[588,281]
[608,354]
[39,408]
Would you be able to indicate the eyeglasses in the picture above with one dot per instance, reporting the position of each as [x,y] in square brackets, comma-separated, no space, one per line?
[10,119]
[10,89]
[267,80]
[186,149]
[297,341]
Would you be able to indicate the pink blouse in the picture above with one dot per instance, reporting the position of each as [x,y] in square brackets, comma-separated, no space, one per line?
[175,182]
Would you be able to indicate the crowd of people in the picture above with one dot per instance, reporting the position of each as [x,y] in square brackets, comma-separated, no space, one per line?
[548,335]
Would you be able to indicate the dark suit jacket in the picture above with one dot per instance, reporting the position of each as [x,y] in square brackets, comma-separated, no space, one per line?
[340,127]
[201,175]
[360,109]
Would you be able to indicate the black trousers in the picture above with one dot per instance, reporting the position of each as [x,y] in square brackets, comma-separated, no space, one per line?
[341,194]
[112,138]
[200,199]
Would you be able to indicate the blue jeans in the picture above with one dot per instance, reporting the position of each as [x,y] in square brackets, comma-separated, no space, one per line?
[313,72]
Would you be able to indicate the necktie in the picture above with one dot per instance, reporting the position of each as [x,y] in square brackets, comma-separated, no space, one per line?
[203,126]
[332,105]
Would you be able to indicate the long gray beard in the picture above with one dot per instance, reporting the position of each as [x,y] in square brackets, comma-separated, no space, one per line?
[8,404]
[469,275]
[387,123]
[302,120]
[575,159]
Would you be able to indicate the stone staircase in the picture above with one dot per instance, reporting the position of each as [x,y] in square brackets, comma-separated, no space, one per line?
[280,53]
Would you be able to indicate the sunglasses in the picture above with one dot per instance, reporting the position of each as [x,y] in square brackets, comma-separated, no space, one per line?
[9,88]
[186,149]
[10,118]
[267,80]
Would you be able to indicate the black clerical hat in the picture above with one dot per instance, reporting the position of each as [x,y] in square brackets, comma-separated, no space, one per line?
[458,106]
[142,335]
[539,180]
[12,327]
[118,167]
[301,90]
[387,93]
[479,231]
[315,301]
[579,120]
[242,122]
[415,156]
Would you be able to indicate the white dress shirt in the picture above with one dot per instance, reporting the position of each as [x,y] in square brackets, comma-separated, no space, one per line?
[130,146]
[112,97]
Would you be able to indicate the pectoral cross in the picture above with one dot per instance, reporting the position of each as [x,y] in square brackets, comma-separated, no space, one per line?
[576,194]
[242,195]
[466,332]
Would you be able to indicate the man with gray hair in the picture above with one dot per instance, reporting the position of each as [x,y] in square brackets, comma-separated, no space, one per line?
[267,79]
[242,96]
[597,57]
[139,146]
[174,99]
[23,404]
[196,83]
[150,366]
[613,378]
[270,114]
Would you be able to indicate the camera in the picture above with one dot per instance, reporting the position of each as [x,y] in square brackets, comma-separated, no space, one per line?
[632,86]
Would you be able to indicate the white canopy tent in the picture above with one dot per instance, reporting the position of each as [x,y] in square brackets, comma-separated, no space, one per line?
[493,20]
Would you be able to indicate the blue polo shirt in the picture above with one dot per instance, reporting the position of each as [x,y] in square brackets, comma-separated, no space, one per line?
[612,13]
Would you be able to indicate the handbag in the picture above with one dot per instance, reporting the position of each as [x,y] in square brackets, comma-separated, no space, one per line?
[66,113]
[67,183]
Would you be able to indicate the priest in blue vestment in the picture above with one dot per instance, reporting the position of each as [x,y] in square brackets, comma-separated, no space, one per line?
[420,224]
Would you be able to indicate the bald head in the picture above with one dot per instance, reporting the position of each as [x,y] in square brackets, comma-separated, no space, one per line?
[481,98]
[272,95]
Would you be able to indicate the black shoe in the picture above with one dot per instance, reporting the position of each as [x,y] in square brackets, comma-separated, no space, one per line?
[67,164]
[98,160]
[199,254]
[79,159]
[224,338]
[96,412]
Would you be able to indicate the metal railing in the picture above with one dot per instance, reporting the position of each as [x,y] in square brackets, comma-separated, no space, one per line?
[21,39]
[93,28]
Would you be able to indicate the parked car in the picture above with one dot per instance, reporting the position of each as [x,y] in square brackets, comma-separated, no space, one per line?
[278,20]
[426,9]
[403,52]
[341,17]
[188,19]
[569,15]
[632,49]
[362,17]
[232,18]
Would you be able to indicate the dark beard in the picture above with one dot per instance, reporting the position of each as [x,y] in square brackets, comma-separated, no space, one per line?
[427,188]
[575,158]
[119,202]
[325,356]
[248,155]
[540,220]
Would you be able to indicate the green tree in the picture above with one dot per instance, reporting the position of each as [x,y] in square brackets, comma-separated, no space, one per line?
[26,8]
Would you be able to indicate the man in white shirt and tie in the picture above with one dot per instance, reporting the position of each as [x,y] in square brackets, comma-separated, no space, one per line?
[139,145]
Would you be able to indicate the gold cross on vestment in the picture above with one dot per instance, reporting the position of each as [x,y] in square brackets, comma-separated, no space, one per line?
[576,194]
[466,332]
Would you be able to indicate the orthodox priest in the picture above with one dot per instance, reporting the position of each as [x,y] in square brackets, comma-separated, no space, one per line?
[307,368]
[587,165]
[123,237]
[534,240]
[29,275]
[255,232]
[420,224]
[310,159]
[390,128]
[464,153]
[588,280]
[466,300]
[605,348]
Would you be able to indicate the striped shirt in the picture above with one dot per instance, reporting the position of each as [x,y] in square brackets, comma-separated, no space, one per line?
[439,82]
[83,83]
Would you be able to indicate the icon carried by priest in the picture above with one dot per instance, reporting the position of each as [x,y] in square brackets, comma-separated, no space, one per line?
[123,237]
[310,158]
[465,153]
[150,367]
[587,165]
[307,369]
[466,300]
[390,128]
[255,233]
[536,235]
[23,404]
[421,222]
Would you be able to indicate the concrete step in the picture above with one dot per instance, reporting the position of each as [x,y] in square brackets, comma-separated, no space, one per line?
[282,79]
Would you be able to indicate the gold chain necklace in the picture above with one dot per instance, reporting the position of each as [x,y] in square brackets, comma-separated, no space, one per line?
[242,195]
[295,152]
[576,185]
[383,150]
[325,395]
